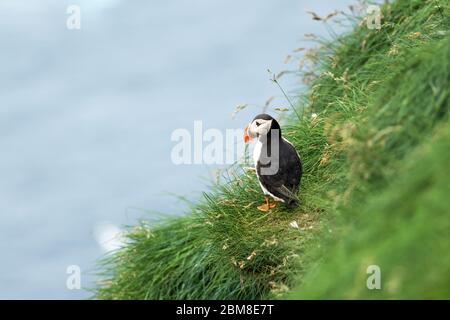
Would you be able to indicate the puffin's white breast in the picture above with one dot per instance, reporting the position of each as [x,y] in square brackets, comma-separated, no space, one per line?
[257,152]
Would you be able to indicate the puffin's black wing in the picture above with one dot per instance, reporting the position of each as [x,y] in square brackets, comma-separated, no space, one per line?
[286,182]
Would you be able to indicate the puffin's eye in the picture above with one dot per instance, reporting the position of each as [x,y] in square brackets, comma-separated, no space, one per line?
[258,124]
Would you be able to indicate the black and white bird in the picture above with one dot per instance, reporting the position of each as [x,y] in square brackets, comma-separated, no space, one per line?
[277,163]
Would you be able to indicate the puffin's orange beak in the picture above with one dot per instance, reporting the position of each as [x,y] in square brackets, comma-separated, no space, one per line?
[246,136]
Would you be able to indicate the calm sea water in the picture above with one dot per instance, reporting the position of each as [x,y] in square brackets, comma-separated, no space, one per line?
[86,116]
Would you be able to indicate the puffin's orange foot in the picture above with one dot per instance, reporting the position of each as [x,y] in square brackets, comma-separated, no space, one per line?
[266,206]
[272,205]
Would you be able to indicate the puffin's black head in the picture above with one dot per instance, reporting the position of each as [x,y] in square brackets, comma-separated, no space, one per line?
[261,125]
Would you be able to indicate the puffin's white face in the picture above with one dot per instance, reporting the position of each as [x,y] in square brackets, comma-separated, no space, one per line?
[258,128]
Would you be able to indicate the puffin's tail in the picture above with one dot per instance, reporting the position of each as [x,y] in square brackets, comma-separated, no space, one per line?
[292,203]
[290,197]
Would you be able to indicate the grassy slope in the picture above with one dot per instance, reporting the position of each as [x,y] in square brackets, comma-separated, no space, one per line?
[404,230]
[374,189]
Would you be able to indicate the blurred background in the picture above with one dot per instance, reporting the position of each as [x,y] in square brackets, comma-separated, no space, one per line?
[86,117]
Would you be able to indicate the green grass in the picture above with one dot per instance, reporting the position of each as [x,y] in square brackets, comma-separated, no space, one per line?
[374,190]
[404,230]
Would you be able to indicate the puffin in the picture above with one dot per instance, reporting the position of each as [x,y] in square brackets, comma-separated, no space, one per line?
[277,162]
